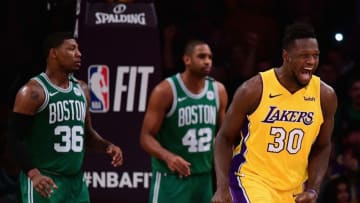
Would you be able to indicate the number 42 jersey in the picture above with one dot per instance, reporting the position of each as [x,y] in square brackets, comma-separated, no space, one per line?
[189,127]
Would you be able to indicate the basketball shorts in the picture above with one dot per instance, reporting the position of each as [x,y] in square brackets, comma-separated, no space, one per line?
[166,188]
[71,189]
[246,189]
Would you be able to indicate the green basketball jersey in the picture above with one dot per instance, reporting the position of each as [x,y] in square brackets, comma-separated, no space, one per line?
[57,137]
[190,125]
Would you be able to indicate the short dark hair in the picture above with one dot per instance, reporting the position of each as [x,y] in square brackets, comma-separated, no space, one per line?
[190,45]
[299,30]
[55,40]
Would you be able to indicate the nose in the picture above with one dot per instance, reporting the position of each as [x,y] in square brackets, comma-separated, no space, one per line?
[78,53]
[311,59]
[208,60]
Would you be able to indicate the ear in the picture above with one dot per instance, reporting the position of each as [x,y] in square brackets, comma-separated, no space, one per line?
[52,53]
[186,59]
[285,56]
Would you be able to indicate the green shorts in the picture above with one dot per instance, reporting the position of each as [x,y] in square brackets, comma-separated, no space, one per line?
[71,189]
[166,188]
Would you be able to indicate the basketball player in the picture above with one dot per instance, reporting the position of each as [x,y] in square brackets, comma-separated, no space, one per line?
[51,126]
[283,118]
[182,118]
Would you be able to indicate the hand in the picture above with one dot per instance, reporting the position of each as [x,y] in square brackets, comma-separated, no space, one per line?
[222,195]
[116,155]
[179,165]
[305,197]
[43,184]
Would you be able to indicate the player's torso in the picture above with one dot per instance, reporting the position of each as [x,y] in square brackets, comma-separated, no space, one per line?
[189,127]
[57,139]
[280,133]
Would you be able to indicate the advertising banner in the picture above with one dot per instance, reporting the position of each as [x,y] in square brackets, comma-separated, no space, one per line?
[121,62]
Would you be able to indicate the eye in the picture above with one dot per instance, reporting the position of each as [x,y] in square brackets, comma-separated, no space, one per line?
[304,56]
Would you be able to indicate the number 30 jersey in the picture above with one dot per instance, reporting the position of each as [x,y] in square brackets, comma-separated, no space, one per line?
[57,138]
[190,125]
[277,139]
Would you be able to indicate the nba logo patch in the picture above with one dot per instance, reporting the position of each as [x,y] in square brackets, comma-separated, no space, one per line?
[98,79]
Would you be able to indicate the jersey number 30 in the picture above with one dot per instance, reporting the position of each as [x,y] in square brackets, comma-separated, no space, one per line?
[198,141]
[294,140]
[71,139]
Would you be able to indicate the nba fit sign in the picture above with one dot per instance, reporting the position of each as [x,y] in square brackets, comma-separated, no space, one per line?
[121,63]
[98,78]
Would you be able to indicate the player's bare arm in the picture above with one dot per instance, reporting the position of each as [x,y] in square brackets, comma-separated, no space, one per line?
[159,103]
[319,157]
[223,97]
[28,99]
[245,101]
[93,140]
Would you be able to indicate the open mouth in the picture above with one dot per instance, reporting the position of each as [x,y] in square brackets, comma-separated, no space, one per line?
[78,63]
[308,69]
[305,74]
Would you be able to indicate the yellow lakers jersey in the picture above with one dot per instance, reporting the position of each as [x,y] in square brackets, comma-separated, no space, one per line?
[277,139]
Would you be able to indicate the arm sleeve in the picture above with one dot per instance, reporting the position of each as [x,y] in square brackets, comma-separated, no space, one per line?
[19,128]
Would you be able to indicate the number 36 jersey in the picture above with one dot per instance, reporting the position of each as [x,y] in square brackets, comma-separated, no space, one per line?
[277,139]
[190,125]
[57,137]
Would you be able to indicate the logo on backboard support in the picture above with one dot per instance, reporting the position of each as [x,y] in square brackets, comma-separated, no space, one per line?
[98,79]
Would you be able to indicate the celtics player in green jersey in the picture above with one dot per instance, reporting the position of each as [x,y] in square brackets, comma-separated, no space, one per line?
[182,118]
[51,127]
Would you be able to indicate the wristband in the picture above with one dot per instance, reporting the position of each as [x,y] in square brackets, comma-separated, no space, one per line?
[20,128]
[313,191]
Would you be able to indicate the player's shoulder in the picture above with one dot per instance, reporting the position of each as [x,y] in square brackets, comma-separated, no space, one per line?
[163,87]
[161,94]
[254,81]
[246,90]
[326,89]
[32,92]
[328,99]
[31,86]
[327,92]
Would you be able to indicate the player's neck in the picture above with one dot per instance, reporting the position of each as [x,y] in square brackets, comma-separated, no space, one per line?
[193,83]
[285,78]
[60,79]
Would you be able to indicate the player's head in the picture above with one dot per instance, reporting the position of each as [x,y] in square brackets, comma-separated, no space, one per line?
[61,48]
[197,58]
[300,52]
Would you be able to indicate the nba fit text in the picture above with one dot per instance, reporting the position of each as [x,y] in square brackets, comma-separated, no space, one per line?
[113,179]
[135,74]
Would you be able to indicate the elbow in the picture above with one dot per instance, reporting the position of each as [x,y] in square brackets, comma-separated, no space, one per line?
[220,138]
[11,144]
[147,143]
[142,142]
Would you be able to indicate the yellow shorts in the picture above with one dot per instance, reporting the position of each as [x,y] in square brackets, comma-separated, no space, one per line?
[253,190]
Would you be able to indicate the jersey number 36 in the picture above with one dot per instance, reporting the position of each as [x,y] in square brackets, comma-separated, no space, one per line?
[71,138]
